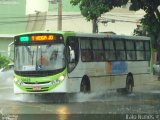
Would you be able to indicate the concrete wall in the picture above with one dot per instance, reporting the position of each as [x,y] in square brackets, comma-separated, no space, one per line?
[34,6]
[5,41]
[12,14]
[36,22]
[70,22]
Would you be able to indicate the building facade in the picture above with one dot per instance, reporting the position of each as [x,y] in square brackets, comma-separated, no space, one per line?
[12,14]
[12,21]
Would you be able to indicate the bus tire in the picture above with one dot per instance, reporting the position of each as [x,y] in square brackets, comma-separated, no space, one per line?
[129,82]
[85,84]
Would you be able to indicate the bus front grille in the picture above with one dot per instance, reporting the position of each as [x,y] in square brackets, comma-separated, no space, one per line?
[37,82]
[43,89]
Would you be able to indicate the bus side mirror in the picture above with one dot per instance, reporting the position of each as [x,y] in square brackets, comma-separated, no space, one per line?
[72,56]
[11,51]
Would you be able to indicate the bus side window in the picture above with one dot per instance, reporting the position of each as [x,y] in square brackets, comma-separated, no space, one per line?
[109,50]
[147,50]
[130,50]
[140,50]
[72,52]
[86,53]
[120,50]
[98,52]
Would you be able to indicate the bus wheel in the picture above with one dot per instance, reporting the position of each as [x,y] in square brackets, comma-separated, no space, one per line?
[85,84]
[129,83]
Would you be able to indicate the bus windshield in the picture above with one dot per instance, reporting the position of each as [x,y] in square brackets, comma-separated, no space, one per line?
[41,57]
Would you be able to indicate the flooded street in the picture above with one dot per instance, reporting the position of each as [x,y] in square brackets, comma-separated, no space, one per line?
[103,105]
[80,60]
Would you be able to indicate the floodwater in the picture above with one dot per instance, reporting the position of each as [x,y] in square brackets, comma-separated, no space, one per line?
[106,105]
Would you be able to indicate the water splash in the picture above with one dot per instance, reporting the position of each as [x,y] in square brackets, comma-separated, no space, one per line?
[7,87]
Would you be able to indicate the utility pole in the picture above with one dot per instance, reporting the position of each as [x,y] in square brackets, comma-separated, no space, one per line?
[59,27]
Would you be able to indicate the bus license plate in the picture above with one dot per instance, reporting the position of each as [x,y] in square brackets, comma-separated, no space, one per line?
[36,88]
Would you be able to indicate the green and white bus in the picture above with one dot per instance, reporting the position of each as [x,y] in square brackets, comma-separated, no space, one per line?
[69,62]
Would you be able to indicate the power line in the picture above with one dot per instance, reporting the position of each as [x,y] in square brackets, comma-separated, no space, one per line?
[25,21]
[15,17]
[123,16]
[53,17]
[38,16]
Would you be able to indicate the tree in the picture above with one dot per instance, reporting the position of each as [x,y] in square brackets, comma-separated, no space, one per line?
[4,61]
[151,20]
[140,31]
[93,9]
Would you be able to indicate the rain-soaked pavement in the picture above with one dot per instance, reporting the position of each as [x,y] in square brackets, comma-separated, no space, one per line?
[107,105]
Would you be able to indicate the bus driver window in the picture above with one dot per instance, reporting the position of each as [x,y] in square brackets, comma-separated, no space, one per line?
[43,60]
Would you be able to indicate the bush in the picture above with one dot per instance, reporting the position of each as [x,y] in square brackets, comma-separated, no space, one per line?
[4,61]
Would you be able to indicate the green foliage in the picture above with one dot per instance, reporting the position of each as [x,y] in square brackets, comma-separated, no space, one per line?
[140,31]
[92,9]
[144,4]
[151,21]
[4,61]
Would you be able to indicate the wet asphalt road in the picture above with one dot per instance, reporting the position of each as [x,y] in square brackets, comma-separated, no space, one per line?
[108,105]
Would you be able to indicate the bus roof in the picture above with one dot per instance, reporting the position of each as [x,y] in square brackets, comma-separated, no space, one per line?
[101,35]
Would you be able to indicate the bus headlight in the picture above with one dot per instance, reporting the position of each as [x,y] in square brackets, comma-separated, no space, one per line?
[61,78]
[18,82]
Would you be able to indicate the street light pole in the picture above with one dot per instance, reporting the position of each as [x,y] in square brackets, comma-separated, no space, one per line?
[59,27]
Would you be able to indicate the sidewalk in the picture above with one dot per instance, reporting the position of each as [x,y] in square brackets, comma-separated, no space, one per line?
[152,86]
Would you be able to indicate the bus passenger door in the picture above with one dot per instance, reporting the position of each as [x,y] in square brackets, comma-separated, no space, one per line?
[72,53]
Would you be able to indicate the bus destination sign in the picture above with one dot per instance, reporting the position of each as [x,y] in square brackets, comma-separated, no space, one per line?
[37,38]
[42,38]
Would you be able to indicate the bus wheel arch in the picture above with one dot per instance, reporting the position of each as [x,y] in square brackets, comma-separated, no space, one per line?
[129,82]
[85,84]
